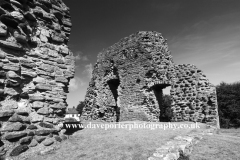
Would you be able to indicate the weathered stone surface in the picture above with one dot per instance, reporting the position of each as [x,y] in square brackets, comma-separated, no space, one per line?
[24,110]
[36,97]
[48,150]
[63,137]
[18,150]
[128,79]
[57,138]
[45,125]
[26,140]
[43,111]
[34,117]
[33,143]
[10,45]
[39,139]
[25,119]
[9,136]
[6,113]
[33,70]
[44,87]
[17,15]
[45,132]
[58,106]
[11,91]
[3,29]
[12,127]
[31,127]
[15,118]
[61,79]
[37,104]
[48,142]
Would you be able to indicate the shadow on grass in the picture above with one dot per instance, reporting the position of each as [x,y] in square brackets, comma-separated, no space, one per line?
[183,157]
[72,127]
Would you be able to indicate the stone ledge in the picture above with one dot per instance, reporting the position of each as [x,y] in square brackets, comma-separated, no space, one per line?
[181,146]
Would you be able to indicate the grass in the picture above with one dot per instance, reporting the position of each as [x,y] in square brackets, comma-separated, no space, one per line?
[114,144]
[225,145]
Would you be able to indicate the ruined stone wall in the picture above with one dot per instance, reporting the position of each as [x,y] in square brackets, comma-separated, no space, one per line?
[129,77]
[194,97]
[136,63]
[35,69]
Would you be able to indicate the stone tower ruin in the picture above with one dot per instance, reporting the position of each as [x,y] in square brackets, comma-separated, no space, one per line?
[36,66]
[128,79]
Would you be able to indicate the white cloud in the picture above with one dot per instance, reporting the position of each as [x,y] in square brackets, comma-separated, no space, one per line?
[77,57]
[80,56]
[75,83]
[84,58]
[88,70]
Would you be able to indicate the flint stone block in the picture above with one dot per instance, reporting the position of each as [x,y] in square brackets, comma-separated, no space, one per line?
[34,117]
[31,133]
[21,38]
[44,132]
[26,140]
[6,113]
[12,75]
[57,138]
[43,38]
[15,118]
[10,45]
[46,125]
[10,136]
[58,14]
[27,63]
[47,68]
[58,106]
[33,143]
[61,79]
[48,142]
[53,53]
[25,119]
[30,16]
[63,137]
[36,97]
[2,74]
[67,23]
[37,104]
[28,73]
[39,139]
[18,150]
[39,80]
[17,15]
[64,50]
[23,110]
[44,87]
[11,91]
[63,66]
[11,67]
[32,127]
[43,111]
[10,127]
[68,74]
[3,30]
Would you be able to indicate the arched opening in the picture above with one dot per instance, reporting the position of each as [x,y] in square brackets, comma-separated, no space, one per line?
[164,101]
[113,85]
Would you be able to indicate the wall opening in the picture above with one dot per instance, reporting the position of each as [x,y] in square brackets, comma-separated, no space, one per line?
[164,102]
[113,85]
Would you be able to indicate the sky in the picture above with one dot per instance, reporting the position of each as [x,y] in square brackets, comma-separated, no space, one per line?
[205,33]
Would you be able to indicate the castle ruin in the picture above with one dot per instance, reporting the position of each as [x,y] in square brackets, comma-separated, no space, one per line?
[36,66]
[128,81]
